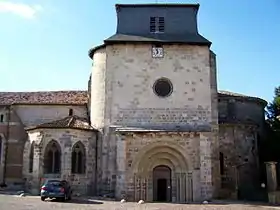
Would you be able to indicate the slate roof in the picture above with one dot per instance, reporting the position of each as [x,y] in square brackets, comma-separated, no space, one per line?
[158,5]
[161,38]
[44,97]
[191,39]
[165,38]
[72,122]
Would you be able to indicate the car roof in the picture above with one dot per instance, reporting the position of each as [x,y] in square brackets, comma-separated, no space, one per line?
[55,180]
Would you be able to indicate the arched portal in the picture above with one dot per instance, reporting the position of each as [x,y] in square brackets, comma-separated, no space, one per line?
[162,183]
[161,173]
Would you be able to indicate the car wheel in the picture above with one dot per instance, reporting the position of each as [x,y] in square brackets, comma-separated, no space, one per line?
[43,198]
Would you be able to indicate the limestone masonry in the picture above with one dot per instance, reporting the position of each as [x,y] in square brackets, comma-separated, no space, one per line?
[151,126]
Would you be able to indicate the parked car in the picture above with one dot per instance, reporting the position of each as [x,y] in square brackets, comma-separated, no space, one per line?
[59,189]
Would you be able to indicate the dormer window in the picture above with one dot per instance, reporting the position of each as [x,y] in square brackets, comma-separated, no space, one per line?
[70,112]
[157,24]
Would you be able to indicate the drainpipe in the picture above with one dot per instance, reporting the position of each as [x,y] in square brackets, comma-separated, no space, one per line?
[6,147]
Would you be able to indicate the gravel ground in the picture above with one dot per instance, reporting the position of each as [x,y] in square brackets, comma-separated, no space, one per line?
[12,202]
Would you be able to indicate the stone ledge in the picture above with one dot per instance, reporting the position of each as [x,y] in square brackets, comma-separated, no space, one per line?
[166,129]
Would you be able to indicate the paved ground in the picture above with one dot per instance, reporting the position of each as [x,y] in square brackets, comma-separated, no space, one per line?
[12,202]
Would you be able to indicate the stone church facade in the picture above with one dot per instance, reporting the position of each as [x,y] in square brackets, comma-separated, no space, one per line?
[151,126]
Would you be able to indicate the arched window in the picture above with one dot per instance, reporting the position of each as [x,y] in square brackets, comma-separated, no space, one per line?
[52,158]
[78,158]
[70,112]
[222,164]
[31,157]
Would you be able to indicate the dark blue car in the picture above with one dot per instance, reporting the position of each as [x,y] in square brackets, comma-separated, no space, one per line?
[56,189]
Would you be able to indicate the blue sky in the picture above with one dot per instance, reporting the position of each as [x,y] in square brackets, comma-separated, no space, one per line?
[44,43]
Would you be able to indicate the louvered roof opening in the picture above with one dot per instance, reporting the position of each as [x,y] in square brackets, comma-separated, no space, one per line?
[157,24]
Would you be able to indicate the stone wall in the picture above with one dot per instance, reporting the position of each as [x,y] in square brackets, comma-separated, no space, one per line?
[241,127]
[13,139]
[66,138]
[183,153]
[132,71]
[31,115]
[2,156]
[241,110]
[214,146]
[238,143]
[3,130]
[122,95]
[98,81]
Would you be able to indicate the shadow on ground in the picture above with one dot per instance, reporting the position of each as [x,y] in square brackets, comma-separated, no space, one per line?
[8,193]
[77,201]
[243,203]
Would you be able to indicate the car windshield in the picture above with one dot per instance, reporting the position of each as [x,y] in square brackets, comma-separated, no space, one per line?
[54,183]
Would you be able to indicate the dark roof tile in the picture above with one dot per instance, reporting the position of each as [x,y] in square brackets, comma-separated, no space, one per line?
[72,122]
[162,38]
[46,97]
[158,5]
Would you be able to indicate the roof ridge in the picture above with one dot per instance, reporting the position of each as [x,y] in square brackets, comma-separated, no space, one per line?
[65,122]
[72,118]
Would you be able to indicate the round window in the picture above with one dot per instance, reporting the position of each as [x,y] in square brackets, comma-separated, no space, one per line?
[163,87]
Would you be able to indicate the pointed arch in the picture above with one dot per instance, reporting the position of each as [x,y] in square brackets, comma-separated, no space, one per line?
[78,158]
[31,157]
[52,158]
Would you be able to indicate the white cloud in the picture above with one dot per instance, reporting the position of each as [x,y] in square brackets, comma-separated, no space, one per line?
[23,10]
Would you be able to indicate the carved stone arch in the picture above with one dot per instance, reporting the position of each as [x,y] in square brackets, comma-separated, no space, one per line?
[161,171]
[52,158]
[78,158]
[152,155]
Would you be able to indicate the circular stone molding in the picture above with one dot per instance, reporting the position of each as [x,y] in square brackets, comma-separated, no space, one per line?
[163,87]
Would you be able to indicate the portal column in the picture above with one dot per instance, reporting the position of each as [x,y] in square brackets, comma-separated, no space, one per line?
[174,187]
[183,188]
[206,168]
[150,188]
[37,173]
[271,176]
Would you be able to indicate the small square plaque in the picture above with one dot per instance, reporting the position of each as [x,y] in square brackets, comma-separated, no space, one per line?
[157,52]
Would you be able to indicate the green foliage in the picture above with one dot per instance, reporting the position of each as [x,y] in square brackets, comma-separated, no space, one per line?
[270,148]
[273,111]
